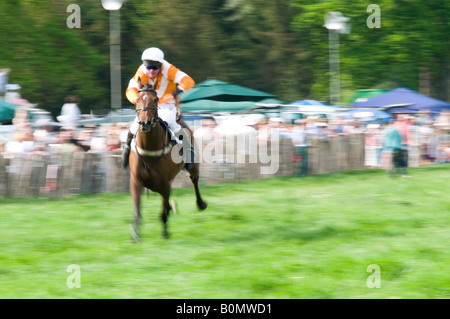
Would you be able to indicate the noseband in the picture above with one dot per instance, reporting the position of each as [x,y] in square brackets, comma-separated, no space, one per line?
[146,125]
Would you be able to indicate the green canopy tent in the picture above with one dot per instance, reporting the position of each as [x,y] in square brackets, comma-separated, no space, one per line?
[204,105]
[219,96]
[7,111]
[222,91]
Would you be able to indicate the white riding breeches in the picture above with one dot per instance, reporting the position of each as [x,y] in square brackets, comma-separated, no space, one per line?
[167,112]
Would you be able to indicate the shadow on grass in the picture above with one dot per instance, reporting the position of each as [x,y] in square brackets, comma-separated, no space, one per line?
[303,236]
[282,234]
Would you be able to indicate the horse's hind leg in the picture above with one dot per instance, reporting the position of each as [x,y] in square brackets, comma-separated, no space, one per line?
[165,213]
[194,172]
[194,176]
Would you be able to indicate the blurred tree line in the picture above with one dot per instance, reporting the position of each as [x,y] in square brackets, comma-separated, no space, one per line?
[277,46]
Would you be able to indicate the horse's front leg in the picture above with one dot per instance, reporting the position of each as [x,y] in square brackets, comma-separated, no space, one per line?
[136,190]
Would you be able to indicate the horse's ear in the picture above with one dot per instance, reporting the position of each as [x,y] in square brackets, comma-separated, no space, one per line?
[139,82]
[155,84]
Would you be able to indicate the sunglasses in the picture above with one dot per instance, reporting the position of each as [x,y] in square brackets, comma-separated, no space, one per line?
[152,67]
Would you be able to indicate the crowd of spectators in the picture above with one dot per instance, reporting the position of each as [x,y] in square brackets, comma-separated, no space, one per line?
[421,139]
[425,138]
[46,138]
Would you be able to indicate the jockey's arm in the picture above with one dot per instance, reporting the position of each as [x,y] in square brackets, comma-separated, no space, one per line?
[182,80]
[186,83]
[132,89]
[182,83]
[132,94]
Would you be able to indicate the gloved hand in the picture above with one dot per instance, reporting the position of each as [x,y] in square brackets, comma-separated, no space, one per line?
[177,91]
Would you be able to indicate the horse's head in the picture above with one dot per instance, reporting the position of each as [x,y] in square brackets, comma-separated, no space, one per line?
[147,106]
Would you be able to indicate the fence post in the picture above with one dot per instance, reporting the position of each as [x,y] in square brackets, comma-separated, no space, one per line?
[3,177]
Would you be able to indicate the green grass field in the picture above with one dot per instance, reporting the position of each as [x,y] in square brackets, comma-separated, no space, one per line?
[294,238]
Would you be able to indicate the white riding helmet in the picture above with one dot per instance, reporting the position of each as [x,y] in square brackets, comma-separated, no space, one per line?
[152,54]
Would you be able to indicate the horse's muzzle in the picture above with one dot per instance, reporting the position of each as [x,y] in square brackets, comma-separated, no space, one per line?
[145,126]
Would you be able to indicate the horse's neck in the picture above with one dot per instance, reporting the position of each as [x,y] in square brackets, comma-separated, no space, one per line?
[156,139]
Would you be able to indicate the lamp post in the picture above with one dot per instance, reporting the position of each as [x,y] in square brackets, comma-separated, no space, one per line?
[336,23]
[113,6]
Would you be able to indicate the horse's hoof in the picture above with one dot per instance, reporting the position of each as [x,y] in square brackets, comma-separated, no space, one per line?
[202,205]
[173,206]
[165,235]
[135,234]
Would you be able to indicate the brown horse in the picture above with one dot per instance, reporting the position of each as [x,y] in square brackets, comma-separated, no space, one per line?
[151,163]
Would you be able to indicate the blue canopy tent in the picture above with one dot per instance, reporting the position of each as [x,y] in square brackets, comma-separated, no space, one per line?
[308,102]
[368,115]
[404,100]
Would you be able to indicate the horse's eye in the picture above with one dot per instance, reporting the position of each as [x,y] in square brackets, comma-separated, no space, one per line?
[155,100]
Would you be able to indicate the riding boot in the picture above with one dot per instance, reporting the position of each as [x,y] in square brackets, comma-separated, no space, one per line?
[174,140]
[126,150]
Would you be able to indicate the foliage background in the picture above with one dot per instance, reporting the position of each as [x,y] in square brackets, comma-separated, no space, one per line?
[278,46]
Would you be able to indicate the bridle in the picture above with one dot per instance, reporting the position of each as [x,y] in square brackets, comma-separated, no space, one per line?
[155,119]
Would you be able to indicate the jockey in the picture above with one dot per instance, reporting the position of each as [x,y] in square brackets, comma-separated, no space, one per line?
[171,81]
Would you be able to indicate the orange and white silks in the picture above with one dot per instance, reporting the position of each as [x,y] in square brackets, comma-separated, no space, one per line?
[168,79]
